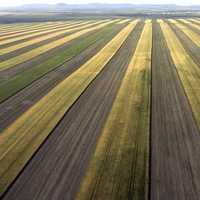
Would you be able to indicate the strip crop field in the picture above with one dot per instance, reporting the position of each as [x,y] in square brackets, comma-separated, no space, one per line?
[100,109]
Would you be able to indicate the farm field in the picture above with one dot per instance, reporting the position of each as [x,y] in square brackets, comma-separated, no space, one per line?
[100,109]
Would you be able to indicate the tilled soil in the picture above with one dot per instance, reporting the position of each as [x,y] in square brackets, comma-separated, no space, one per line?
[175,138]
[56,170]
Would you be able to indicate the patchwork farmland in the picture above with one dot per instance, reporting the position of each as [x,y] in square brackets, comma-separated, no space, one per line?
[100,109]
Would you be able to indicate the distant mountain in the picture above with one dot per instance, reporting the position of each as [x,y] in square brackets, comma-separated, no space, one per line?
[100,7]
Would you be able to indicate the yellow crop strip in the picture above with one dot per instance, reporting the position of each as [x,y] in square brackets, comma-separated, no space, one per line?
[22,138]
[191,24]
[44,48]
[191,34]
[61,30]
[188,71]
[47,36]
[124,21]
[195,20]
[17,28]
[33,32]
[121,155]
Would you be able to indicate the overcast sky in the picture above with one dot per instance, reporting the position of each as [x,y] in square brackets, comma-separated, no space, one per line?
[19,2]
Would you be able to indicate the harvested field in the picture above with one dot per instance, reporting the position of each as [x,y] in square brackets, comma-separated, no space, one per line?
[189,45]
[188,71]
[81,144]
[41,36]
[194,21]
[105,109]
[21,137]
[192,26]
[23,47]
[191,34]
[32,71]
[40,50]
[174,132]
[32,28]
[9,39]
[17,104]
[124,144]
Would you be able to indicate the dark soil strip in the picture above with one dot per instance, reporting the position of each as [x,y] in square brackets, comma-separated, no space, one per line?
[175,139]
[55,172]
[38,44]
[191,48]
[17,104]
[13,71]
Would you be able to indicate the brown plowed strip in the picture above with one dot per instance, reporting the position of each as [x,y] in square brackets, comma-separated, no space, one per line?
[192,49]
[55,172]
[175,139]
[19,103]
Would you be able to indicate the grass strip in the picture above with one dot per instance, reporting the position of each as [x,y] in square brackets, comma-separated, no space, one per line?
[119,166]
[47,36]
[47,47]
[12,86]
[188,71]
[22,138]
[186,30]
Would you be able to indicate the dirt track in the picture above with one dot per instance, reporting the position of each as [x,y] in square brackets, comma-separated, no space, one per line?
[56,170]
[17,104]
[175,139]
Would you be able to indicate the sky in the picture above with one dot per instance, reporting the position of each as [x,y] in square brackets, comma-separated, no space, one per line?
[6,3]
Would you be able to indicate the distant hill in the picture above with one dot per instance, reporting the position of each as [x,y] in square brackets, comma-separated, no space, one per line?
[99,7]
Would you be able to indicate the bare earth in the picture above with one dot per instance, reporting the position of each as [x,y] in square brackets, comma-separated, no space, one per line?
[175,139]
